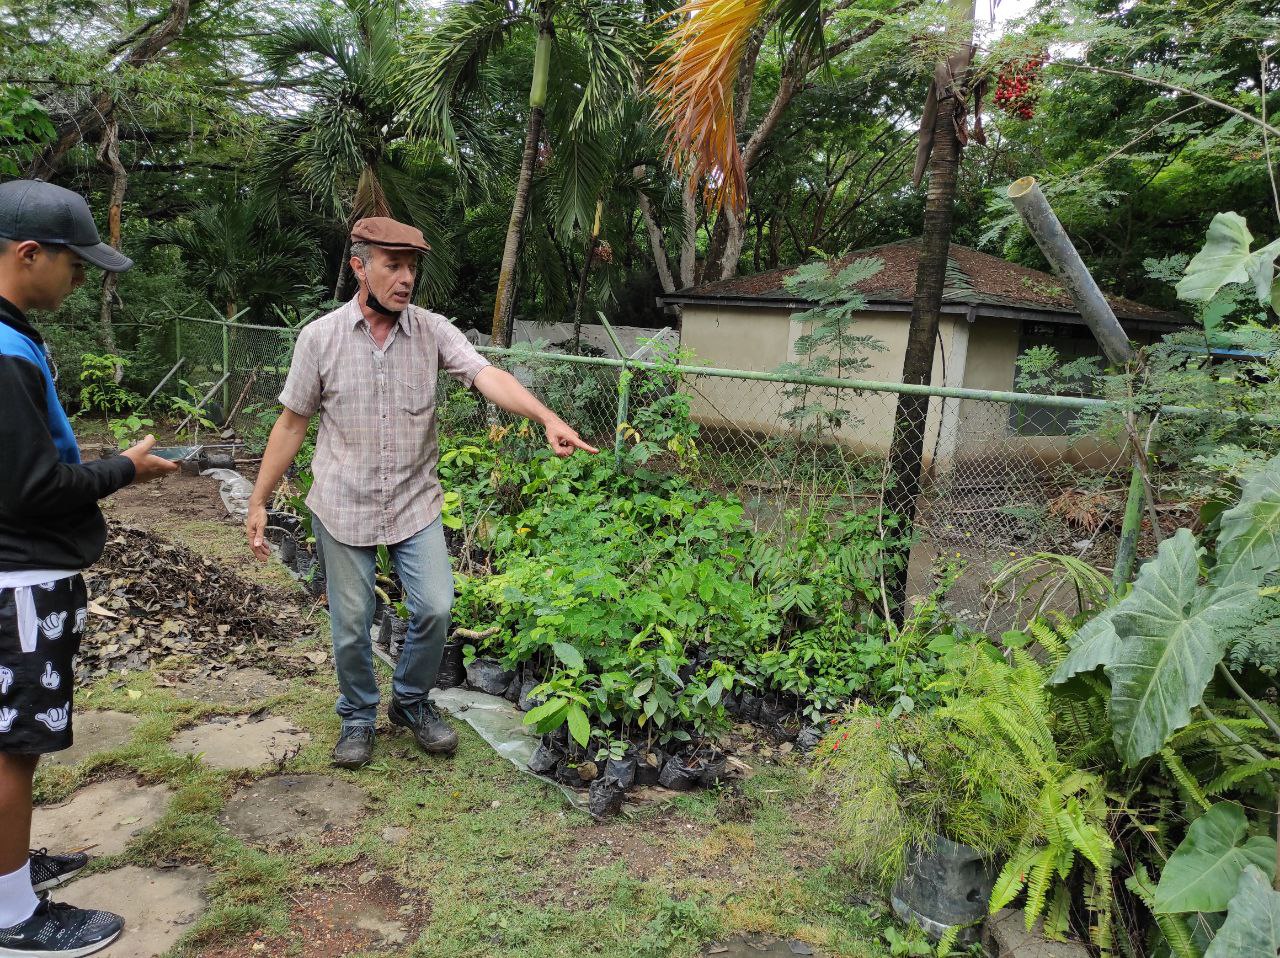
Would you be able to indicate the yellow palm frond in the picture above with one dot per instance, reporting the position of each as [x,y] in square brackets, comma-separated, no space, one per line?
[694,85]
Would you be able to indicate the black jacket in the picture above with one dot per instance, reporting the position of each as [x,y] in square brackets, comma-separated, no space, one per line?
[49,515]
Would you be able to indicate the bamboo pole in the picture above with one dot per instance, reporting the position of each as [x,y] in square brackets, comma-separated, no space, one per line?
[200,405]
[1058,249]
[160,385]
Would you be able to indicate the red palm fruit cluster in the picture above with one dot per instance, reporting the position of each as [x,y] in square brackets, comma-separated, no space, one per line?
[1016,87]
[604,252]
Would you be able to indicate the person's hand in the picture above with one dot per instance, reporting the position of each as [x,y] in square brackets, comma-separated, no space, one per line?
[146,466]
[255,526]
[564,441]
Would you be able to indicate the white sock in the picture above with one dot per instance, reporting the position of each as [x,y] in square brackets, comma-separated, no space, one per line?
[17,900]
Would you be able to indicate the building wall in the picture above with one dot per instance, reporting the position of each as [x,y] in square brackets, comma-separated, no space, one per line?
[978,354]
[986,428]
[761,339]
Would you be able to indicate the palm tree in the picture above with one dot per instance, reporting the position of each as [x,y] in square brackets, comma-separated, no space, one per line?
[348,152]
[597,46]
[238,257]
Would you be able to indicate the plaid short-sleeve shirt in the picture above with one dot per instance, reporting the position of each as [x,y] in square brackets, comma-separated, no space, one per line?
[376,449]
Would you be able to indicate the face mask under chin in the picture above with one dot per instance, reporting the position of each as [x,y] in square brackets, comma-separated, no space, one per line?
[376,304]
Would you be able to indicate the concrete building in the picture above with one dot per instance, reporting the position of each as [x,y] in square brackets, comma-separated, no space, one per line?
[993,311]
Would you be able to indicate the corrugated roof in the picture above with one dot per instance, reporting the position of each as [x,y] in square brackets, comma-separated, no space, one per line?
[973,278]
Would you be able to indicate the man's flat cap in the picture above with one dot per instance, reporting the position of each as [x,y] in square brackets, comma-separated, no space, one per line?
[388,233]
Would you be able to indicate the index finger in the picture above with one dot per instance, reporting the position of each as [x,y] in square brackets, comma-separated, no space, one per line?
[582,445]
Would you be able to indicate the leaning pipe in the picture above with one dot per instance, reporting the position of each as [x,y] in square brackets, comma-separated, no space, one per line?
[1062,256]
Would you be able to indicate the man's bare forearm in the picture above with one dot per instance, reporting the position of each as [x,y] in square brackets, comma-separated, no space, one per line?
[287,437]
[503,389]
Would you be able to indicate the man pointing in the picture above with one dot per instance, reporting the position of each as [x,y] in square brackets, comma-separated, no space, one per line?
[369,370]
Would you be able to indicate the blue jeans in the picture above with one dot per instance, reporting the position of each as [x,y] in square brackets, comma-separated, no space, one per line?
[422,563]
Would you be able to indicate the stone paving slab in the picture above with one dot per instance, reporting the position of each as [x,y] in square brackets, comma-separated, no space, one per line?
[274,810]
[159,905]
[95,732]
[241,741]
[100,818]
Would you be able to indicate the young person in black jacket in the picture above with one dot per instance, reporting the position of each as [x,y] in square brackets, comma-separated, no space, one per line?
[50,529]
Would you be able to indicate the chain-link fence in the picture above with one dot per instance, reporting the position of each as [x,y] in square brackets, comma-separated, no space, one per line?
[1003,475]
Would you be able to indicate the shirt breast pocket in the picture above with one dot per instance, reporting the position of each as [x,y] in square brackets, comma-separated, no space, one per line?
[415,393]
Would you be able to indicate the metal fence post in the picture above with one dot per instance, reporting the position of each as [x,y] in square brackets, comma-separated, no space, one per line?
[1127,548]
[624,392]
[226,367]
[624,402]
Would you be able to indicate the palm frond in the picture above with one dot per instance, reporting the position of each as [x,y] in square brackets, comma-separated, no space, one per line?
[613,42]
[694,84]
[412,196]
[439,67]
[306,39]
[696,80]
[579,174]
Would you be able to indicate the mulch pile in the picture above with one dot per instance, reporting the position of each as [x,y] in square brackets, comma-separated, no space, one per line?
[151,600]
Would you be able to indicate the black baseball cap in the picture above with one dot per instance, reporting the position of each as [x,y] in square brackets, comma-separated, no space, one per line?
[45,213]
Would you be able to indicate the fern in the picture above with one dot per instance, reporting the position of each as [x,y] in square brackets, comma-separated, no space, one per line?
[1257,644]
[1038,880]
[948,940]
[1099,899]
[1241,773]
[1174,927]
[1174,765]
[1057,919]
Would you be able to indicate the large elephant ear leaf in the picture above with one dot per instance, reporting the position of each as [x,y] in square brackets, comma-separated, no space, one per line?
[1253,920]
[1226,258]
[1173,632]
[1095,643]
[1249,543]
[1203,873]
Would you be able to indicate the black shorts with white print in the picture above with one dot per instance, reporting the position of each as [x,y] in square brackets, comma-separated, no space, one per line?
[40,631]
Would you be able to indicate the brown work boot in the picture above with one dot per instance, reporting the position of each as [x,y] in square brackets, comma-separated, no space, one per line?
[433,733]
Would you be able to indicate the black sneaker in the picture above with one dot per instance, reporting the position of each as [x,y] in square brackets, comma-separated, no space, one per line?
[50,871]
[433,733]
[355,747]
[56,930]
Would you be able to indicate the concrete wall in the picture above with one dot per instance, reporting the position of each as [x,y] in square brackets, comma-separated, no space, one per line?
[985,428]
[761,339]
[632,338]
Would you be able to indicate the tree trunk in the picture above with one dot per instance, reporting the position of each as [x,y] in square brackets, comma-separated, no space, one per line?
[93,117]
[344,270]
[504,302]
[588,259]
[657,248]
[906,454]
[689,234]
[109,154]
